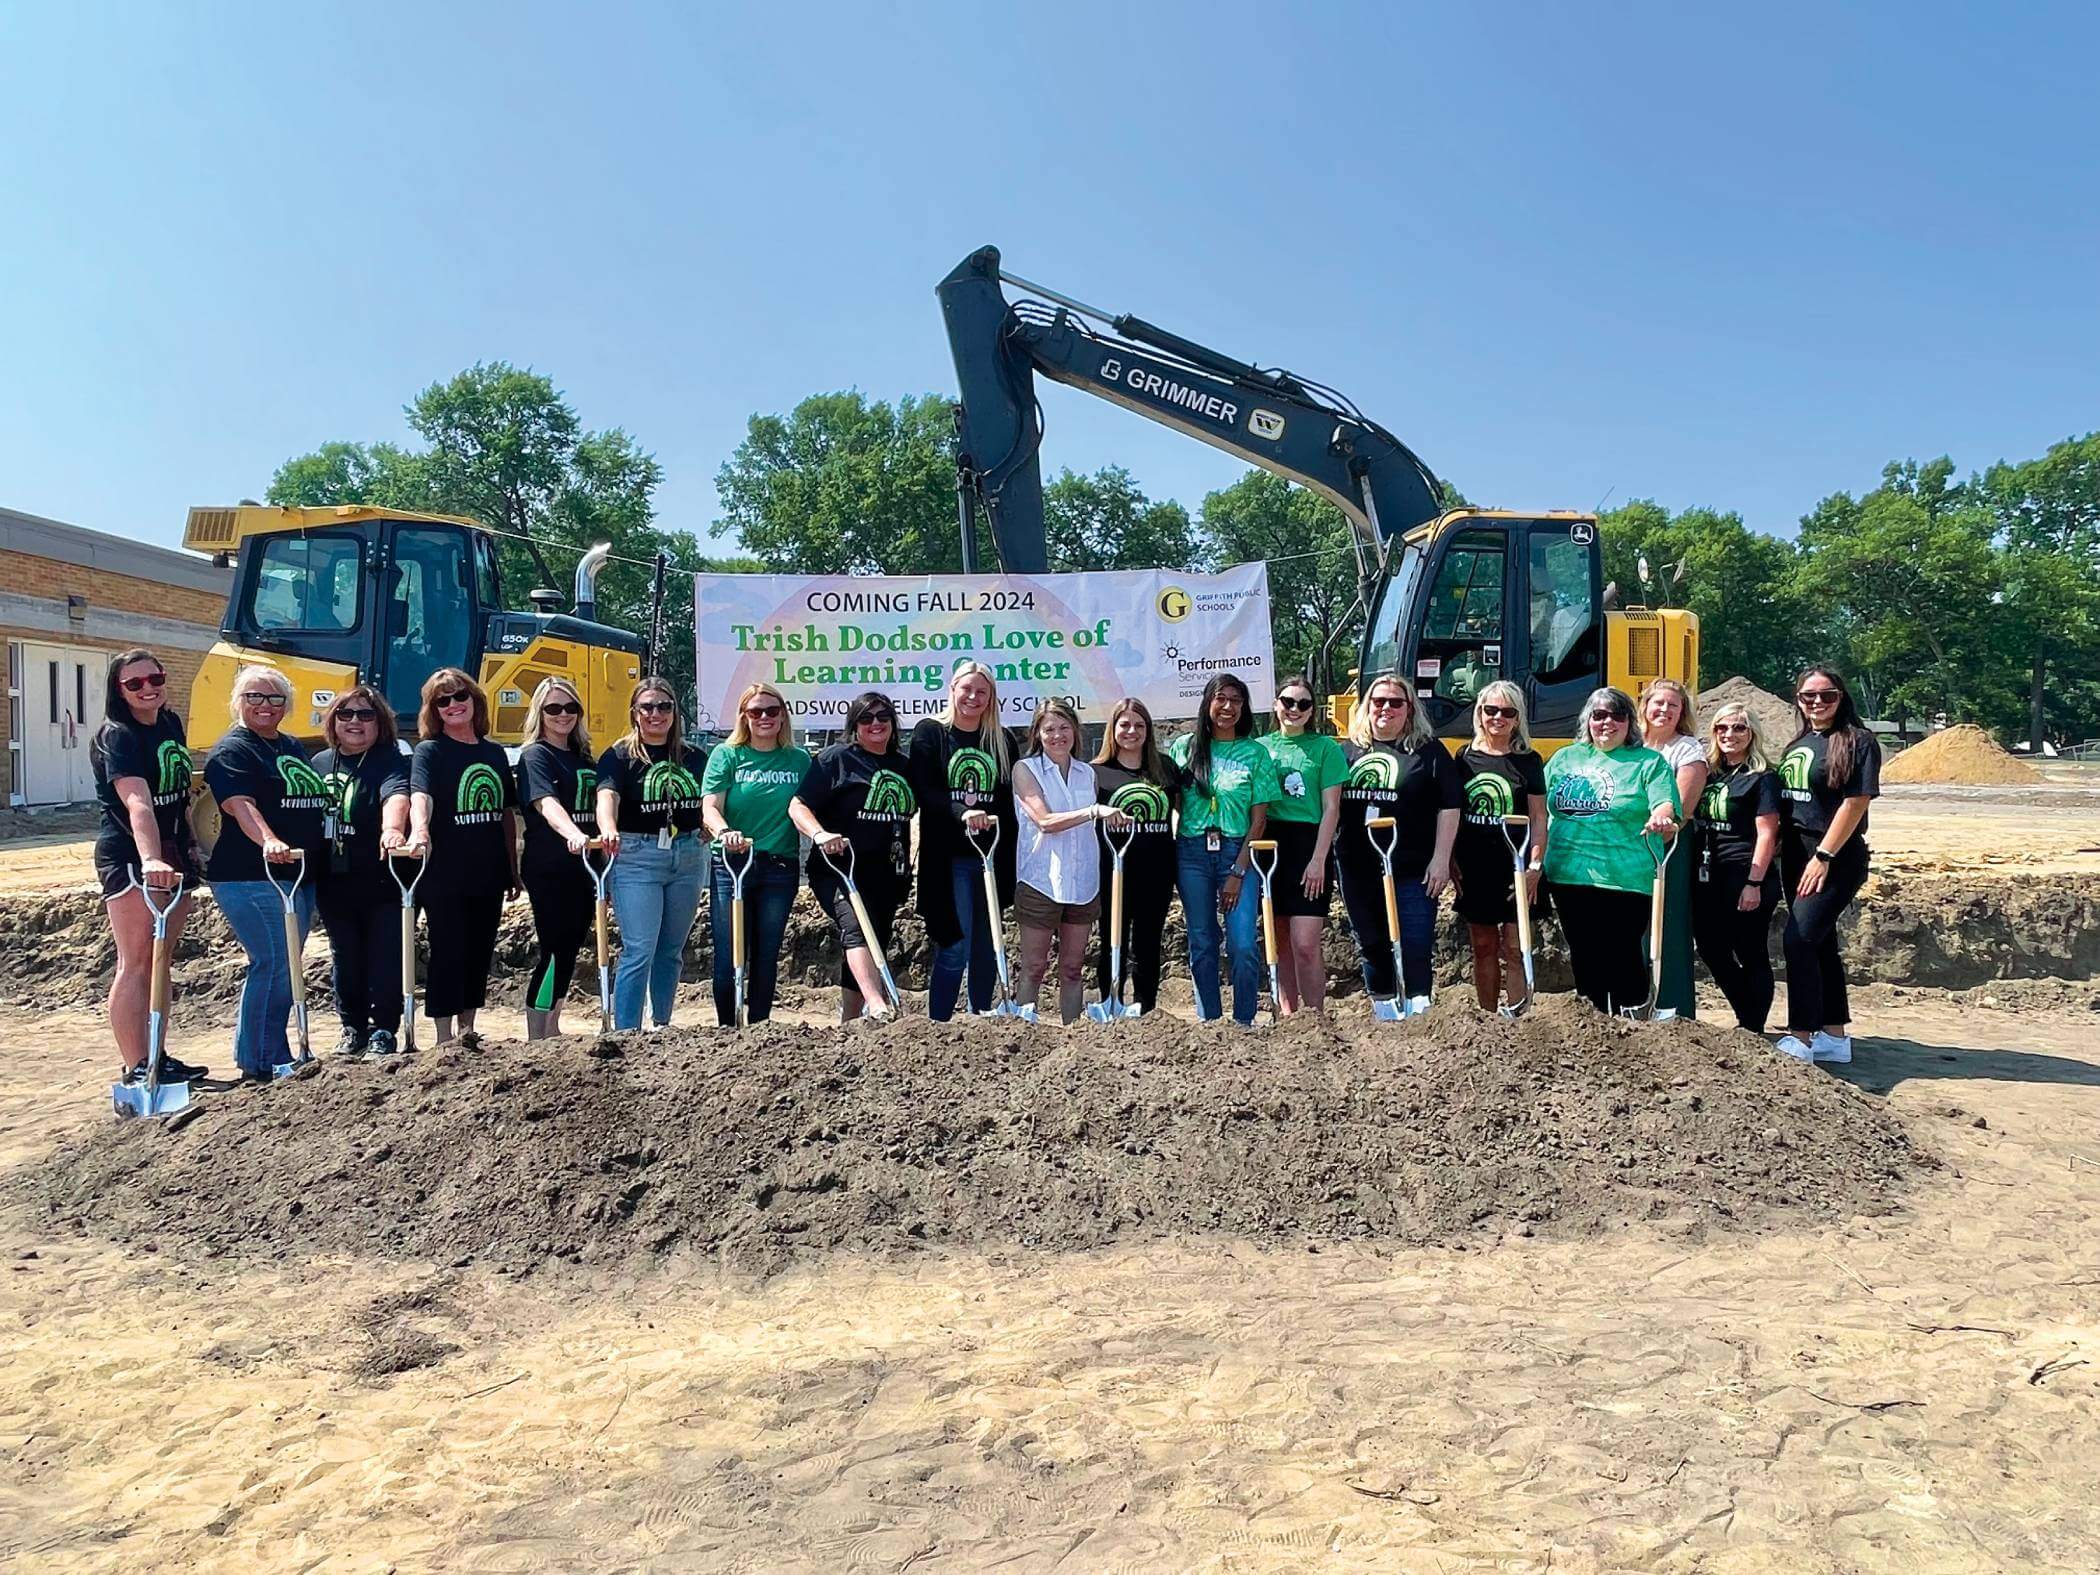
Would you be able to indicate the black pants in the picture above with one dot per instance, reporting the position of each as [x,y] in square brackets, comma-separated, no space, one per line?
[882,894]
[1815,970]
[1734,945]
[462,934]
[564,909]
[1603,929]
[1148,891]
[364,934]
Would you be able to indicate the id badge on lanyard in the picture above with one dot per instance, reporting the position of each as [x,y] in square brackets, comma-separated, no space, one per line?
[666,836]
[1214,839]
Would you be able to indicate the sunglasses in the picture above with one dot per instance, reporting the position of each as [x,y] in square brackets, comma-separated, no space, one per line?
[561,708]
[761,713]
[1818,697]
[265,699]
[1508,713]
[1389,702]
[457,697]
[357,713]
[150,681]
[1602,715]
[876,719]
[655,707]
[1289,704]
[1731,727]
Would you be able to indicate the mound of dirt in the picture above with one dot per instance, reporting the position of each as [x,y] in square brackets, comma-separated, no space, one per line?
[1776,719]
[790,1141]
[1964,755]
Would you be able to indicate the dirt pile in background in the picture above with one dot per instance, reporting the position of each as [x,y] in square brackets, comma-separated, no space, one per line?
[789,1141]
[1964,755]
[1776,718]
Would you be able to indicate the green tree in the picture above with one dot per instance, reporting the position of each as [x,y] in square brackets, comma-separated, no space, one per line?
[1104,521]
[842,484]
[1313,604]
[2047,512]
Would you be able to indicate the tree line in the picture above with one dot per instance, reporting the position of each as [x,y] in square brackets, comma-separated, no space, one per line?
[1978,598]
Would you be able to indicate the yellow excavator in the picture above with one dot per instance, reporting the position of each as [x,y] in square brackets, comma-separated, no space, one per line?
[337,595]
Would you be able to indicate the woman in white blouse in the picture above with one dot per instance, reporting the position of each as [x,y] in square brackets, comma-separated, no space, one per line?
[1671,728]
[1057,861]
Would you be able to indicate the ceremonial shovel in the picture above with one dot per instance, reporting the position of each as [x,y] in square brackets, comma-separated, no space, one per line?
[1111,1008]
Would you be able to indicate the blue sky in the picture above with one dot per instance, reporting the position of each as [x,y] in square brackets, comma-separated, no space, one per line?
[1727,256]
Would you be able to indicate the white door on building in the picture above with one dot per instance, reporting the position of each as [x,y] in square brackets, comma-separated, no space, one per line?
[57,707]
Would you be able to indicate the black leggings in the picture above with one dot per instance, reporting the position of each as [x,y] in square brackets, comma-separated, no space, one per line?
[364,935]
[1815,970]
[881,895]
[462,935]
[1603,929]
[564,910]
[1734,945]
[1148,891]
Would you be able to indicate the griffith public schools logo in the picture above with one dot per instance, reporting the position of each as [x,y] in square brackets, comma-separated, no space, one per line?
[301,784]
[172,767]
[1793,771]
[479,796]
[1143,802]
[668,782]
[1173,604]
[1581,796]
[1488,798]
[889,798]
[972,773]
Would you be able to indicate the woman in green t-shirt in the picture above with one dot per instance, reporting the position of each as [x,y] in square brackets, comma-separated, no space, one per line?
[1604,793]
[1310,771]
[1224,806]
[744,797]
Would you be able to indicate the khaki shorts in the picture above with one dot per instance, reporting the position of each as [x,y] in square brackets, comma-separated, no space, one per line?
[1044,912]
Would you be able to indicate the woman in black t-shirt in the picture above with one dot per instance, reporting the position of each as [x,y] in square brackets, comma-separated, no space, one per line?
[463,812]
[1735,864]
[142,780]
[1828,776]
[863,789]
[1500,774]
[1132,775]
[367,779]
[962,771]
[558,782]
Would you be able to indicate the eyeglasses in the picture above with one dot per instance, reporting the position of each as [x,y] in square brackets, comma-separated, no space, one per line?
[1612,715]
[1291,704]
[1389,702]
[655,707]
[1818,697]
[1507,713]
[1731,727]
[357,713]
[561,708]
[270,699]
[150,681]
[762,713]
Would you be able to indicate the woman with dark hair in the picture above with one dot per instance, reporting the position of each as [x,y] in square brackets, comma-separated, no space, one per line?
[649,808]
[962,770]
[1231,782]
[1132,776]
[1829,775]
[860,785]
[746,794]
[463,815]
[558,782]
[142,780]
[367,780]
[1310,770]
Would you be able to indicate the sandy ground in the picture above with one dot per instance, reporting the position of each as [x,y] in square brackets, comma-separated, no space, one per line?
[1919,1392]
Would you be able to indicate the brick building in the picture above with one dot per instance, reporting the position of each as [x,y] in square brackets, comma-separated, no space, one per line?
[68,598]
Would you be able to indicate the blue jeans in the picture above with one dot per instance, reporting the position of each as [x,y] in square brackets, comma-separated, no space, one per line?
[1363,894]
[973,950]
[769,891]
[1201,876]
[255,914]
[654,892]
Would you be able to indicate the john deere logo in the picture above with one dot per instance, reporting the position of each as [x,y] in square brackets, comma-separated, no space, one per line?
[1793,771]
[1173,604]
[972,772]
[1580,796]
[586,793]
[172,761]
[1488,797]
[667,782]
[889,794]
[480,790]
[1713,804]
[1143,802]
[303,787]
[1377,772]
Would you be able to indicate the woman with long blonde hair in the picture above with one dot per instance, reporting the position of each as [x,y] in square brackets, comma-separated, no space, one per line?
[1735,853]
[1500,774]
[558,780]
[745,798]
[962,773]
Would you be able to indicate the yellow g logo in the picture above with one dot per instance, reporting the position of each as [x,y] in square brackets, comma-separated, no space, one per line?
[1173,604]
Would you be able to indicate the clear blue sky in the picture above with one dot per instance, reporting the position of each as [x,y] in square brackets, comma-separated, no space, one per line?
[1731,256]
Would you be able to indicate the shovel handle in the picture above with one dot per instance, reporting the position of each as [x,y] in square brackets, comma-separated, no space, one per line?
[163,967]
[867,933]
[408,953]
[295,955]
[1267,872]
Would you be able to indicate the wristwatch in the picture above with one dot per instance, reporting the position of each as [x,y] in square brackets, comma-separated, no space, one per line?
[1822,857]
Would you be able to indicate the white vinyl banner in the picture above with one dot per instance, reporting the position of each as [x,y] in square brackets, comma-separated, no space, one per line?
[820,640]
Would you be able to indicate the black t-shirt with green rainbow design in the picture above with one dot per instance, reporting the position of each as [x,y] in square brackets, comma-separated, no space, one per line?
[1724,824]
[1150,806]
[568,778]
[868,800]
[359,786]
[159,757]
[1493,786]
[1807,799]
[1413,786]
[655,790]
[289,793]
[470,786]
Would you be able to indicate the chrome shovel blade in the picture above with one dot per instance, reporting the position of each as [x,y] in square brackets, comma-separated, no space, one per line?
[1414,1006]
[131,1099]
[1386,1008]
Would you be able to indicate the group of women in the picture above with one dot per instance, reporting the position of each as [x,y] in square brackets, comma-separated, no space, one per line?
[1004,821]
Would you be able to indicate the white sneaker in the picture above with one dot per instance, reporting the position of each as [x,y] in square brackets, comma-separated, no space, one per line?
[1795,1048]
[1828,1047]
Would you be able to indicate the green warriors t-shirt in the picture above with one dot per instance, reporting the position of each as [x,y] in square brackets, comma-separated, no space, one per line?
[1307,764]
[1241,776]
[1596,804]
[756,785]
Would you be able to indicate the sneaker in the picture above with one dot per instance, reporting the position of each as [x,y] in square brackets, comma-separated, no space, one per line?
[350,1042]
[1792,1046]
[174,1071]
[379,1042]
[250,1078]
[1829,1047]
